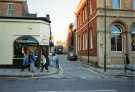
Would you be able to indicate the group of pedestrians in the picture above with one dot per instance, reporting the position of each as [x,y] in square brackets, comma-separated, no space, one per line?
[29,61]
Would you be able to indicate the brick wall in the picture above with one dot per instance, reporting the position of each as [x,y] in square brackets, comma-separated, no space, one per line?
[18,8]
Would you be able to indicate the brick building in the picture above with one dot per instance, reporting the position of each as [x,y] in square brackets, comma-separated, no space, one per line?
[14,8]
[113,19]
[71,38]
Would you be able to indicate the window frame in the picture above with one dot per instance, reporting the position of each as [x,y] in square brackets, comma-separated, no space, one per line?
[119,5]
[116,34]
[10,9]
[132,33]
[133,4]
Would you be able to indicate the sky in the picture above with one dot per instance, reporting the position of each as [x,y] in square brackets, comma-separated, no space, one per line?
[61,14]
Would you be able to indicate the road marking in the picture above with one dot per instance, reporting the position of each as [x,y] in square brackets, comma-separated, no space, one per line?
[83,91]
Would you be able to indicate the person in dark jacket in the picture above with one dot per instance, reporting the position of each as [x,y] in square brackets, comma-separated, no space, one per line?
[25,61]
[56,61]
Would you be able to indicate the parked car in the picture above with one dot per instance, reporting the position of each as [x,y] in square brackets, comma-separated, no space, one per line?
[59,49]
[71,56]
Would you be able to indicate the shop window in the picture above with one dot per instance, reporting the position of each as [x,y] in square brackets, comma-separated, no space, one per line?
[133,38]
[116,39]
[116,4]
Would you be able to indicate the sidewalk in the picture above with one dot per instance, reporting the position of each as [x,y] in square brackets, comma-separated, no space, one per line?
[114,71]
[10,72]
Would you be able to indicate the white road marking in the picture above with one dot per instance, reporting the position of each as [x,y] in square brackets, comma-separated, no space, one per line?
[83,91]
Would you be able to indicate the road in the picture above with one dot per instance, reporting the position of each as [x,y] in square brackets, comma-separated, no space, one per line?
[74,77]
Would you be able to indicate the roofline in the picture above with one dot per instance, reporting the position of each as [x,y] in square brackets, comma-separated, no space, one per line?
[26,18]
[79,6]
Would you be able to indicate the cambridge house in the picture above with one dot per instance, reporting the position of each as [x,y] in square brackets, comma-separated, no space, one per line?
[110,19]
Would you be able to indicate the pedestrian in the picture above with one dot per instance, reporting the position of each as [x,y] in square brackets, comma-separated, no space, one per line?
[47,62]
[32,61]
[56,61]
[43,61]
[25,61]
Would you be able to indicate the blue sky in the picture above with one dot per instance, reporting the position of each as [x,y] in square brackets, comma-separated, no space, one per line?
[61,13]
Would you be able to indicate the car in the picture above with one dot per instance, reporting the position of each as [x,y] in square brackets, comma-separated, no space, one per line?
[72,56]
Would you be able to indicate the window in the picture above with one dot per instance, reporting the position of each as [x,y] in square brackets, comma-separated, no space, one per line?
[133,38]
[86,41]
[85,10]
[133,4]
[116,39]
[116,4]
[90,7]
[10,11]
[91,39]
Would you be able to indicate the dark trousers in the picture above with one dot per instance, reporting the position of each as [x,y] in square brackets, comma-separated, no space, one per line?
[25,66]
[44,66]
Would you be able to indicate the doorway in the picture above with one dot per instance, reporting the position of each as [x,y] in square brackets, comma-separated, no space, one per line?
[20,45]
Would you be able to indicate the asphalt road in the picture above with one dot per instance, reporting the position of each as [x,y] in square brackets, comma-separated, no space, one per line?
[73,78]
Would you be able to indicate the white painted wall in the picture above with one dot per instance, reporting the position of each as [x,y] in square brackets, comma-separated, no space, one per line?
[11,29]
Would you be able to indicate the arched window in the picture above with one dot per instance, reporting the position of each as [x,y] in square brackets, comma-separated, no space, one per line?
[116,39]
[133,38]
[116,4]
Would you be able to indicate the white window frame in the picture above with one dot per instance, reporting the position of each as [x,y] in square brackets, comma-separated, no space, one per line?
[116,39]
[90,7]
[133,4]
[117,7]
[86,41]
[10,9]
[91,39]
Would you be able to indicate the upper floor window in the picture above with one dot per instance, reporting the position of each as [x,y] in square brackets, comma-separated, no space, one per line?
[10,9]
[116,4]
[90,7]
[133,38]
[133,4]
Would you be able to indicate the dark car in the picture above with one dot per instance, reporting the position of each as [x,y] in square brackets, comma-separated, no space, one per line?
[72,56]
[59,49]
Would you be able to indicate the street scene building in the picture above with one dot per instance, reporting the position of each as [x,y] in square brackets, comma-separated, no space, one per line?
[20,30]
[106,30]
[86,46]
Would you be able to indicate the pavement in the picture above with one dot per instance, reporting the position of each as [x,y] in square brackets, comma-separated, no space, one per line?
[10,72]
[113,71]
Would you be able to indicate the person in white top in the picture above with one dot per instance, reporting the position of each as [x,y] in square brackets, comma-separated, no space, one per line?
[43,62]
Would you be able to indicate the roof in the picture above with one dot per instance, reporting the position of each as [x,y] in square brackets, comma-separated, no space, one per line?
[26,18]
[79,6]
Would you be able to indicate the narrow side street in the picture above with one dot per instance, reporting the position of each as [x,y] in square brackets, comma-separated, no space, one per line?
[74,69]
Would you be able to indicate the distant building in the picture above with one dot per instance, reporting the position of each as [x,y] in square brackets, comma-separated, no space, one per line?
[71,38]
[118,17]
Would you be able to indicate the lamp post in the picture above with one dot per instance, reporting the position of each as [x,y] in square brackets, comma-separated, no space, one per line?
[105,35]
[87,2]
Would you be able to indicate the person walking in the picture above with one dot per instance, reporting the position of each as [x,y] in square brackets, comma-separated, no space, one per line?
[25,61]
[56,61]
[43,62]
[32,61]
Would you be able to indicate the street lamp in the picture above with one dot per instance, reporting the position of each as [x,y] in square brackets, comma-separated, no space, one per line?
[87,2]
[105,35]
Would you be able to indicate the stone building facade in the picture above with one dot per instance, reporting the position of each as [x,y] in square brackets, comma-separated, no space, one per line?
[113,19]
